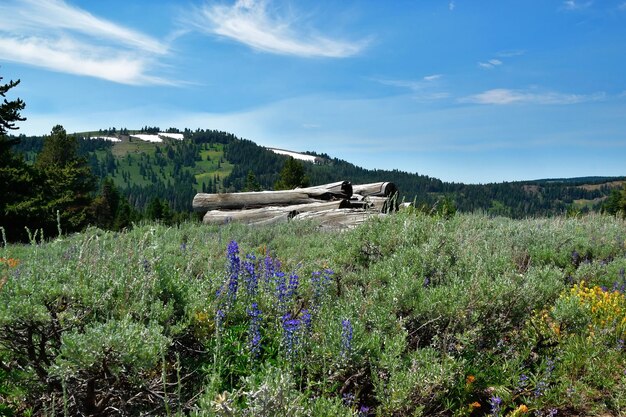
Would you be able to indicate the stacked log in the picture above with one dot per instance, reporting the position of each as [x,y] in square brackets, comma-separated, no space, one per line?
[336,205]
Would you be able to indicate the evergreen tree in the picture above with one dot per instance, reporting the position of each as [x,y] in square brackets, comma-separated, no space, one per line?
[66,182]
[17,179]
[251,183]
[105,207]
[292,175]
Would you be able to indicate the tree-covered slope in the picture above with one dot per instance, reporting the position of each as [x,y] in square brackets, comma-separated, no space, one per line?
[216,161]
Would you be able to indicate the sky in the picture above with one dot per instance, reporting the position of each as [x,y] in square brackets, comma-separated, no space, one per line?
[464,91]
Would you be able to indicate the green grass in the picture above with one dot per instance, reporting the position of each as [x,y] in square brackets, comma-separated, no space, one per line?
[421,316]
[205,170]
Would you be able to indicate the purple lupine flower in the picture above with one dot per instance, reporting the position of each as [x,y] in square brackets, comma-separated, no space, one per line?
[292,288]
[220,316]
[254,330]
[320,284]
[496,404]
[307,321]
[364,411]
[348,399]
[268,268]
[234,266]
[346,338]
[291,338]
[281,290]
[250,276]
[540,388]
[146,266]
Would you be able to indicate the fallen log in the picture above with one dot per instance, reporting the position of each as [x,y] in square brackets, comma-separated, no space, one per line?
[250,200]
[338,218]
[255,216]
[376,189]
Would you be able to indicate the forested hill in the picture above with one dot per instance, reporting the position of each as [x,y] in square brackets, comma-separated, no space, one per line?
[215,161]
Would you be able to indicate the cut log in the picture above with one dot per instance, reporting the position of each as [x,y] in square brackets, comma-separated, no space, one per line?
[255,216]
[249,200]
[376,189]
[338,218]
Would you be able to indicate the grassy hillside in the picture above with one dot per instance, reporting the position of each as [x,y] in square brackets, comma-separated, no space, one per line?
[406,315]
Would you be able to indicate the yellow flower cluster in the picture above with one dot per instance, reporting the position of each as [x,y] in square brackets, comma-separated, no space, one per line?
[607,308]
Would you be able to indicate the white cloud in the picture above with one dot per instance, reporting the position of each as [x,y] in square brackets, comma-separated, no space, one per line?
[511,53]
[622,6]
[575,5]
[251,23]
[501,96]
[421,90]
[432,77]
[492,63]
[451,5]
[56,36]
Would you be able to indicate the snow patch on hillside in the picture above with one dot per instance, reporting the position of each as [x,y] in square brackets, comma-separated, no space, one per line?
[295,155]
[159,137]
[109,138]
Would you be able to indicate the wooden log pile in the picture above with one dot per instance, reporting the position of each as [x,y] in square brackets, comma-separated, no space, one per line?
[337,205]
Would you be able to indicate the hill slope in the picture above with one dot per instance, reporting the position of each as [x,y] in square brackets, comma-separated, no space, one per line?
[214,161]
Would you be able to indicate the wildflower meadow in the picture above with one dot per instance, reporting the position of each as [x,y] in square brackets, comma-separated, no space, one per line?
[406,315]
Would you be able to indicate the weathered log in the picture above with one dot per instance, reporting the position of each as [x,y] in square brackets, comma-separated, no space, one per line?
[339,189]
[254,216]
[338,218]
[249,200]
[376,189]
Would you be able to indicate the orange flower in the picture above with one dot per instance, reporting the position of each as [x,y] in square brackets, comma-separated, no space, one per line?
[475,404]
[470,379]
[10,262]
[522,408]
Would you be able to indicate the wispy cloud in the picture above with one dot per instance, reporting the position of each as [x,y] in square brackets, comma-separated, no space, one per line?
[510,53]
[502,96]
[451,6]
[622,6]
[423,89]
[54,35]
[576,5]
[253,23]
[492,63]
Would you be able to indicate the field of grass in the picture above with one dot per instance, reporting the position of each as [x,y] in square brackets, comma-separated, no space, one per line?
[205,170]
[408,315]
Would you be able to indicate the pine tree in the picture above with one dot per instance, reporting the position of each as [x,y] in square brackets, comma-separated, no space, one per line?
[292,175]
[17,179]
[66,182]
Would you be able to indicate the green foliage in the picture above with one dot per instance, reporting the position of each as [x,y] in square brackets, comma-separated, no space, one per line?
[442,314]
[292,175]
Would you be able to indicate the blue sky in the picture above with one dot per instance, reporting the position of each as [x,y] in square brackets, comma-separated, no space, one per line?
[460,90]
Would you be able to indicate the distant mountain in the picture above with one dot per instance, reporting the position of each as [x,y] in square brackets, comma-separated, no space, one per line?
[175,165]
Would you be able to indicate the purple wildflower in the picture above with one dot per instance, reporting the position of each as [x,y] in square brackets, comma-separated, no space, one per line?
[320,284]
[220,315]
[254,330]
[291,338]
[251,278]
[348,399]
[364,411]
[146,266]
[281,290]
[496,404]
[346,338]
[307,321]
[293,285]
[234,266]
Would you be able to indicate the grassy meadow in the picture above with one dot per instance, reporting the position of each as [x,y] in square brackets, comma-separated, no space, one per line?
[408,315]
